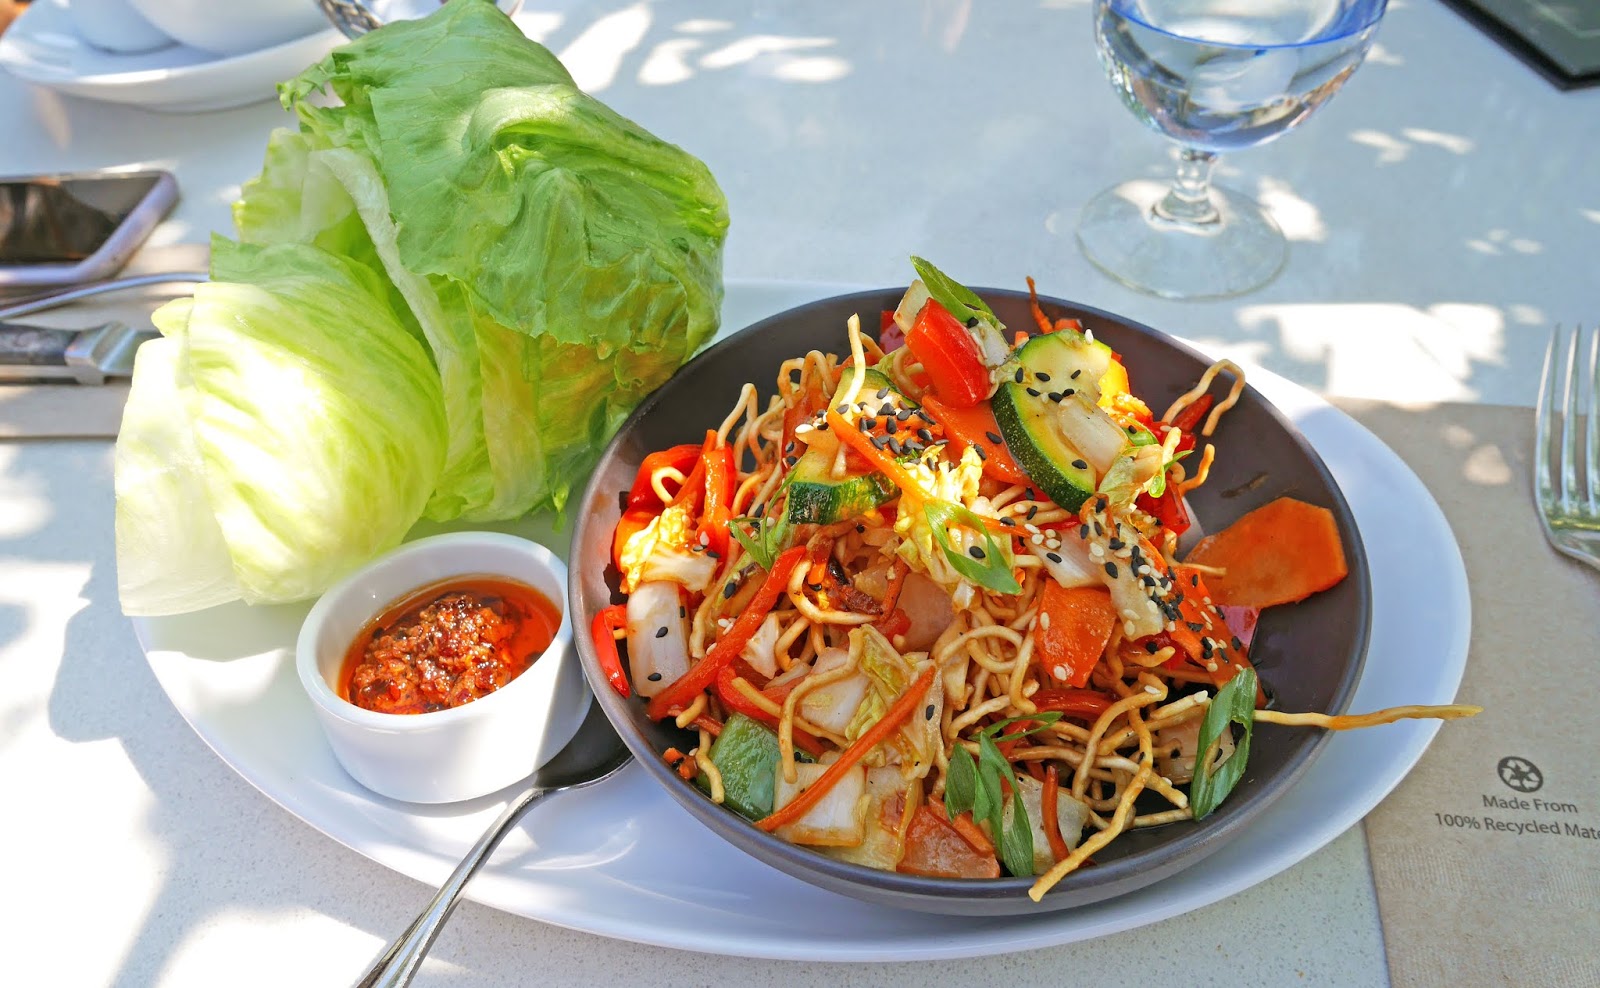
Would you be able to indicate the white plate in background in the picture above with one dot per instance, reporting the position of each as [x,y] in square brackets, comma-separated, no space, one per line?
[43,47]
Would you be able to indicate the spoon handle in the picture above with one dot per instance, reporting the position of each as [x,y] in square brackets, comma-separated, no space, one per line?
[398,964]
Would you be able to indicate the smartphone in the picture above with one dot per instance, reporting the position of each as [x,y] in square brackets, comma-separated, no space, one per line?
[66,229]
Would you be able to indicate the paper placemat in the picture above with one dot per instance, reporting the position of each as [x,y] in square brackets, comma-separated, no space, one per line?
[1487,857]
[75,411]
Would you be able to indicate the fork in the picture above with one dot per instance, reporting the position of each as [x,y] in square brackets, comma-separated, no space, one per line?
[1567,432]
[352,17]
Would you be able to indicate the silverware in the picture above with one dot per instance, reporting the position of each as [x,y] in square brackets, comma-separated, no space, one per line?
[87,356]
[1566,461]
[594,753]
[54,299]
[354,18]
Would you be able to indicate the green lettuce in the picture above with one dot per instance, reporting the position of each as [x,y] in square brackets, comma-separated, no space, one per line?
[284,430]
[480,271]
[560,261]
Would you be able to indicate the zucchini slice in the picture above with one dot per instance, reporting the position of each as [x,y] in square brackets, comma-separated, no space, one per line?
[1050,371]
[816,497]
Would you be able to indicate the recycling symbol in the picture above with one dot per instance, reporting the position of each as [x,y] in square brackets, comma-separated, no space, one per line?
[1520,774]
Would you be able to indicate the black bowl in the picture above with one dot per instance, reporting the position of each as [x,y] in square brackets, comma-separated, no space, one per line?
[1309,655]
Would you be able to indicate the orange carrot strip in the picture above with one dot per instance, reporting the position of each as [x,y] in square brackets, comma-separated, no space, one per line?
[880,460]
[898,714]
[972,833]
[1050,812]
[703,673]
[1277,554]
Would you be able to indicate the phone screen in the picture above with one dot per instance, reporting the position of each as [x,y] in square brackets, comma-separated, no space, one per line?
[64,221]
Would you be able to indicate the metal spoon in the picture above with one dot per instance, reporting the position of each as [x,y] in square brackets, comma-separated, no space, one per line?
[594,753]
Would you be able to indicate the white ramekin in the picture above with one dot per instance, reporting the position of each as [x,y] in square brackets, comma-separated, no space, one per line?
[467,751]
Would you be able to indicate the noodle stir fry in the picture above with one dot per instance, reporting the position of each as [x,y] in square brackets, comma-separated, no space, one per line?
[924,608]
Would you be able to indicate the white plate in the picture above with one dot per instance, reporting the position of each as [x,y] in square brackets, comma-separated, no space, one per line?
[42,47]
[623,860]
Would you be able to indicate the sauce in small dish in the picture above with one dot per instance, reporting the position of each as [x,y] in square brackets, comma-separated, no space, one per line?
[447,644]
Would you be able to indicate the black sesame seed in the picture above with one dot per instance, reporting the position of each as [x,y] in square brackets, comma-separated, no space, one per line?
[860,529]
[902,415]
[1098,530]
[1079,465]
[790,461]
[1028,493]
[895,447]
[1043,377]
[1195,625]
[1076,373]
[864,425]
[891,427]
[972,321]
[1111,570]
[885,409]
[1101,503]
[1018,376]
[1034,391]
[880,441]
[843,409]
[978,448]
[1069,392]
[1009,522]
[883,393]
[1194,579]
[925,435]
[1033,509]
[924,416]
[975,552]
[814,587]
[654,677]
[1116,544]
[993,437]
[1083,531]
[927,712]
[729,590]
[661,632]
[1152,647]
[682,613]
[713,554]
[696,547]
[1052,557]
[1237,644]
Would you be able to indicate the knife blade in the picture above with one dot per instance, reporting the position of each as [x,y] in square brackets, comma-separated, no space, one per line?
[81,356]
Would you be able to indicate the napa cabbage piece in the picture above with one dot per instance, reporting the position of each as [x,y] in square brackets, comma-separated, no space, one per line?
[286,429]
[560,261]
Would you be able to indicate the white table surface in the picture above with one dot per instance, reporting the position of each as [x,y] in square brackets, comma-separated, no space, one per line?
[1444,213]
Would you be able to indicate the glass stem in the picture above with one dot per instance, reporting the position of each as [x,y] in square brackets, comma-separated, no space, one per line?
[1188,202]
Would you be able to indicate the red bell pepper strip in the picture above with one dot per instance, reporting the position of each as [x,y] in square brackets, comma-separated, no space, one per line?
[950,356]
[716,513]
[890,338]
[1082,704]
[1168,509]
[607,624]
[898,713]
[642,495]
[735,700]
[703,673]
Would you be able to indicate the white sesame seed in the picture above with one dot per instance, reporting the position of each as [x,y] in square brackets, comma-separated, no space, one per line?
[1127,628]
[1171,626]
[1150,605]
[1044,621]
[1037,540]
[802,428]
[1030,527]
[1095,550]
[1156,690]
[1211,667]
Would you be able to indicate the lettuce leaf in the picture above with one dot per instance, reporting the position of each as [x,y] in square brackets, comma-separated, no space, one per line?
[560,260]
[453,281]
[285,430]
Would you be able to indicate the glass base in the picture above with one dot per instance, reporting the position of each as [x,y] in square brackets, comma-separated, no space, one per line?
[1121,232]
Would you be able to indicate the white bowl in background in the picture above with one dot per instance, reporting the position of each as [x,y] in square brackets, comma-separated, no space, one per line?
[466,751]
[235,26]
[115,26]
